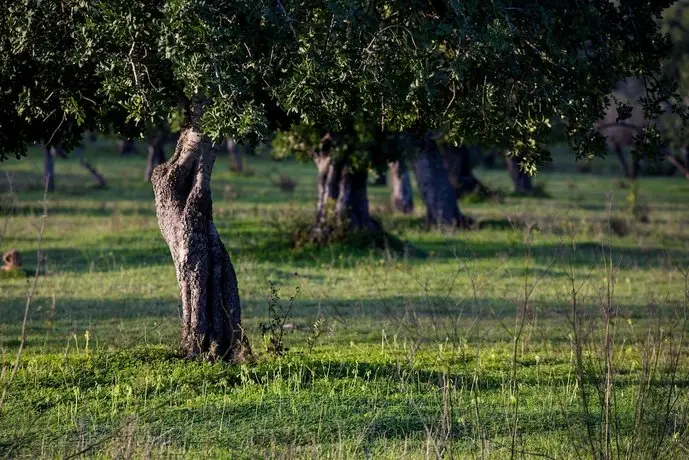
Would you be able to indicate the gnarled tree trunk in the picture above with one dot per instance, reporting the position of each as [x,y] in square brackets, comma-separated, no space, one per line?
[437,192]
[402,196]
[211,311]
[156,153]
[520,179]
[48,169]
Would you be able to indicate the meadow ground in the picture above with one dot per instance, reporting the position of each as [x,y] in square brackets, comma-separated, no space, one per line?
[470,343]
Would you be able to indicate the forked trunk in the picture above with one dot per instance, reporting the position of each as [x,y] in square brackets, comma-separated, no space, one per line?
[236,162]
[211,311]
[156,153]
[437,192]
[402,196]
[520,179]
[48,169]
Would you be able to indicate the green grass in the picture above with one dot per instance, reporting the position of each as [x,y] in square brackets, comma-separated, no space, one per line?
[416,352]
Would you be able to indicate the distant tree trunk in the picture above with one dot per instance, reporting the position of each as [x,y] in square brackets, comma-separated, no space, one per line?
[352,200]
[127,147]
[98,177]
[236,162]
[156,153]
[402,196]
[520,179]
[342,198]
[48,169]
[437,192]
[458,164]
[623,161]
[329,173]
[211,311]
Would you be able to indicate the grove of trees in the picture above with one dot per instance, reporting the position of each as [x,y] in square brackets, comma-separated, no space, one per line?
[335,78]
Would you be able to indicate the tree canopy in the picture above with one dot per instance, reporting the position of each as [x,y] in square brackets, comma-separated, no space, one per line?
[493,72]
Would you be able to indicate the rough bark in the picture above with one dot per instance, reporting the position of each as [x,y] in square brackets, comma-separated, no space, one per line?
[236,161]
[48,169]
[438,194]
[457,161]
[156,153]
[402,196]
[521,180]
[98,177]
[211,312]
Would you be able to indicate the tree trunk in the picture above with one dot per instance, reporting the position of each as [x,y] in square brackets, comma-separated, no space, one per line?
[329,174]
[623,161]
[156,153]
[342,199]
[458,164]
[127,147]
[402,196]
[48,169]
[520,179]
[352,200]
[236,163]
[211,311]
[98,177]
[437,192]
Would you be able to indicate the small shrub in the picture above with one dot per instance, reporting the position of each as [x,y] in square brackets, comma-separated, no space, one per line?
[278,315]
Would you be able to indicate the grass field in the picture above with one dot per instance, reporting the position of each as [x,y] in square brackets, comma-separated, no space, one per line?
[469,344]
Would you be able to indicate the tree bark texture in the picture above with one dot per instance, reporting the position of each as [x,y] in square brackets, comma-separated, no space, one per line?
[211,312]
[236,162]
[48,169]
[438,194]
[402,196]
[156,153]
[520,179]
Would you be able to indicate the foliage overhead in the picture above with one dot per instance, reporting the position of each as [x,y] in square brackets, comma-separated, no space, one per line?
[489,72]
